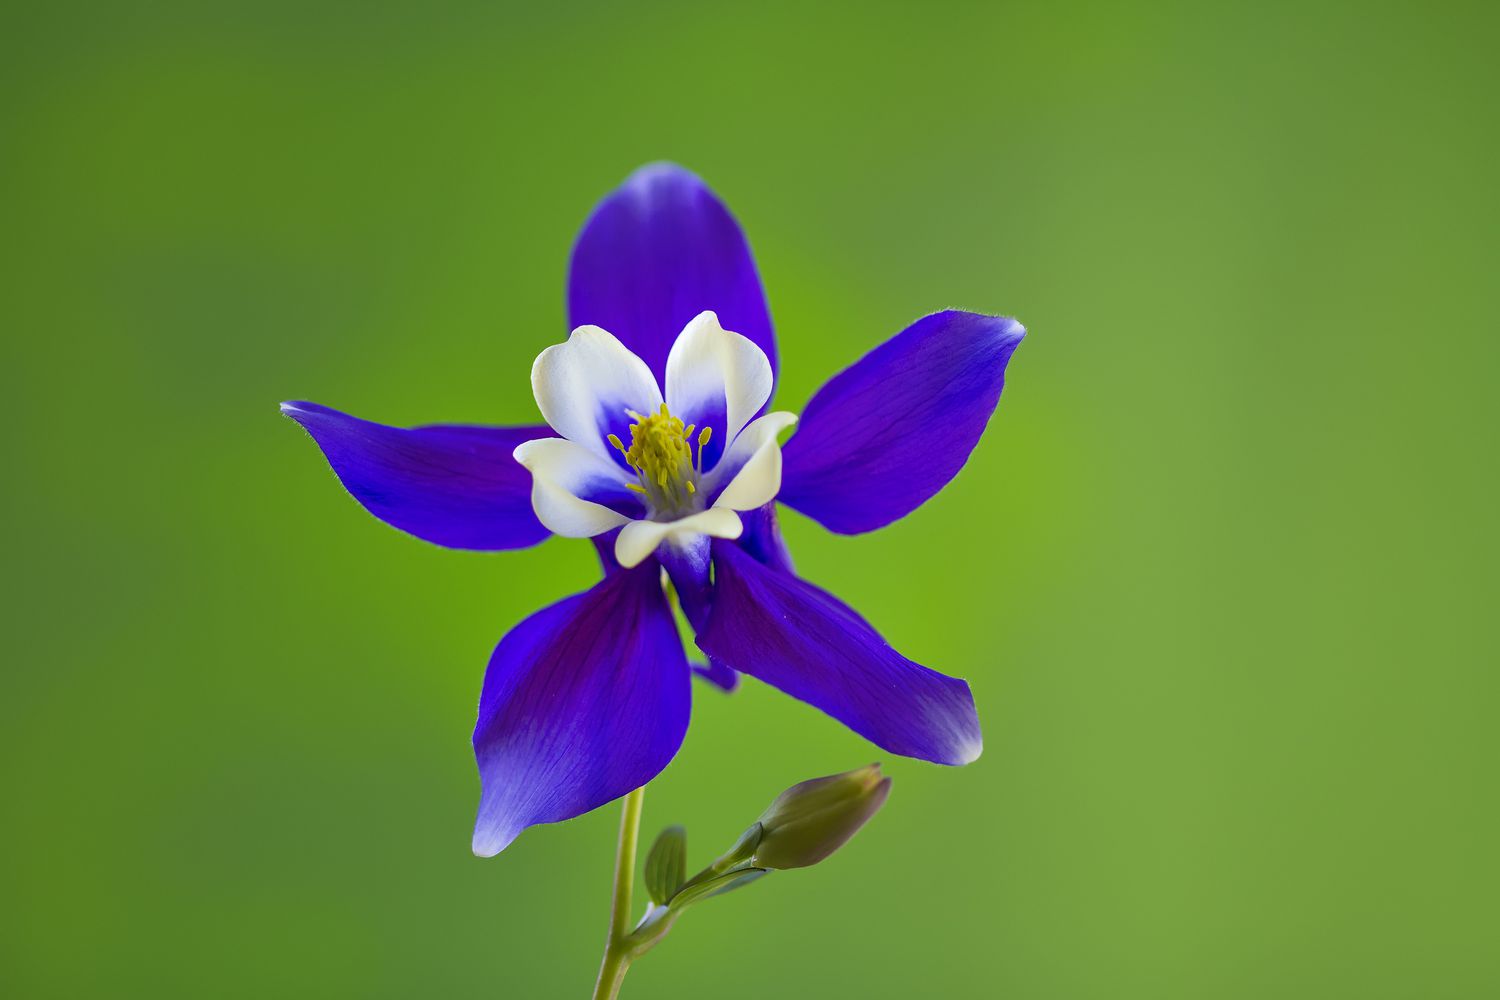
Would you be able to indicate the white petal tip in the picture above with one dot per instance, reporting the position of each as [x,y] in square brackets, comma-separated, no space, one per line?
[969,752]
[525,452]
[488,843]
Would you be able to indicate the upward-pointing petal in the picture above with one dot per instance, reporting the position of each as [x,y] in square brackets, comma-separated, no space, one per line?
[583,701]
[717,379]
[659,250]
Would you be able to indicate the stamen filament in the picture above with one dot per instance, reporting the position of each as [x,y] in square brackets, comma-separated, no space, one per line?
[703,437]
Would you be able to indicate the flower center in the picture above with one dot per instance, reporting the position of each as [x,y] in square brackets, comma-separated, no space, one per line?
[661,453]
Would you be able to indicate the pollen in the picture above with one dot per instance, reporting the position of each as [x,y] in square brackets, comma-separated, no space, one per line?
[661,453]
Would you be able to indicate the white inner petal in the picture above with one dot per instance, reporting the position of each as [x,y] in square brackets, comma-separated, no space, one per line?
[562,470]
[639,539]
[710,367]
[584,388]
[589,382]
[758,480]
[750,443]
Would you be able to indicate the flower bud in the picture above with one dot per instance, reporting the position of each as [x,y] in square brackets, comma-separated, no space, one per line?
[811,820]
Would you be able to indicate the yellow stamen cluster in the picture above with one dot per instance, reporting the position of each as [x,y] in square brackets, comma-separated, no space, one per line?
[661,453]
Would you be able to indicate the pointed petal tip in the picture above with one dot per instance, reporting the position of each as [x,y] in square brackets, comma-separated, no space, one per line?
[1007,327]
[648,172]
[969,752]
[490,842]
[302,411]
[968,738]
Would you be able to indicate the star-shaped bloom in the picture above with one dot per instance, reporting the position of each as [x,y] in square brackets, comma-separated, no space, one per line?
[657,446]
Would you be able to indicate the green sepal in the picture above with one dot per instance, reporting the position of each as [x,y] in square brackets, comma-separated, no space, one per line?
[746,876]
[666,864]
[716,885]
[744,848]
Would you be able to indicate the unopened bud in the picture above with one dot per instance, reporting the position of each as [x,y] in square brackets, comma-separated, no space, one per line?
[811,820]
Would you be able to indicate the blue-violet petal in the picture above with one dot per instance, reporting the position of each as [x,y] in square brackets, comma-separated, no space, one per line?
[884,435]
[583,701]
[451,485]
[804,641]
[656,252]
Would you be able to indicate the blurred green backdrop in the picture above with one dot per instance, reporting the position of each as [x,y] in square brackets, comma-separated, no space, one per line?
[1221,574]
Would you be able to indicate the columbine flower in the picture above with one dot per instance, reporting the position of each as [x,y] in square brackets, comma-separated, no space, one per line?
[657,449]
[676,484]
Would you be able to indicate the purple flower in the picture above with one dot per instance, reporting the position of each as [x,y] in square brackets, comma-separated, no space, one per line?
[657,447]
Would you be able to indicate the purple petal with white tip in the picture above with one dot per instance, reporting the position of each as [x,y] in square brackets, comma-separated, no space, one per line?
[453,485]
[804,641]
[884,435]
[583,701]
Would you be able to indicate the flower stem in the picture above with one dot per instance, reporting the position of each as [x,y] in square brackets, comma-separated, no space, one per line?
[617,951]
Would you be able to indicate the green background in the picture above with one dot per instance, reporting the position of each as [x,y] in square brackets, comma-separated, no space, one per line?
[1221,572]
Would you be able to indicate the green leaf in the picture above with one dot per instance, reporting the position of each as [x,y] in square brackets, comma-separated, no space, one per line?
[666,865]
[716,885]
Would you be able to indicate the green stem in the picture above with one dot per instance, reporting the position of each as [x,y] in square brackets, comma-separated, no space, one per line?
[617,951]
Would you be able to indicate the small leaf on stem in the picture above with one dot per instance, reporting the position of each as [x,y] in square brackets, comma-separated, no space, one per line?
[666,864]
